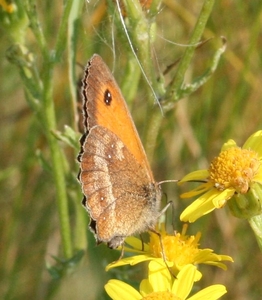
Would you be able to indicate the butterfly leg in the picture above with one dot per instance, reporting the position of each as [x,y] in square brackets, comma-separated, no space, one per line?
[162,248]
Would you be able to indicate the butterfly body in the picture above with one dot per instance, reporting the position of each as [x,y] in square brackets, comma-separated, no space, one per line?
[119,190]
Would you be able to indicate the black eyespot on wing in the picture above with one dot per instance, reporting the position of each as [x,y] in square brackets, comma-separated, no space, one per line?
[107,97]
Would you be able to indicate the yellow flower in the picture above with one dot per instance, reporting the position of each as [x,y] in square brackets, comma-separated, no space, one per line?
[162,285]
[179,251]
[8,7]
[236,173]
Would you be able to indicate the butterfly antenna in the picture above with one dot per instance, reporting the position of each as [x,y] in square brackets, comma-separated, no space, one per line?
[165,181]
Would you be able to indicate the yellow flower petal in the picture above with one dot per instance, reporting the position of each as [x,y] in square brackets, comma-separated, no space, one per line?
[207,256]
[145,287]
[159,276]
[217,264]
[182,287]
[254,142]
[229,144]
[198,190]
[133,260]
[195,176]
[133,244]
[222,197]
[119,290]
[212,292]
[202,206]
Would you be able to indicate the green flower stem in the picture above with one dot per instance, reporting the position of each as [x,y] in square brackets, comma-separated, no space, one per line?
[62,33]
[79,233]
[57,162]
[177,82]
[131,79]
[80,240]
[30,8]
[24,60]
[153,126]
[139,29]
[142,32]
[256,224]
[139,35]
[71,58]
[49,119]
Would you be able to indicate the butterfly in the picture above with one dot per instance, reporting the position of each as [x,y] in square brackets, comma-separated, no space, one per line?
[120,193]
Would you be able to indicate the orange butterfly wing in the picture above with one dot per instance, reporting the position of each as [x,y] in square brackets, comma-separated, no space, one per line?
[100,86]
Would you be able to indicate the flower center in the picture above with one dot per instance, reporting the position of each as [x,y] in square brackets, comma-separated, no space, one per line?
[161,296]
[179,248]
[234,168]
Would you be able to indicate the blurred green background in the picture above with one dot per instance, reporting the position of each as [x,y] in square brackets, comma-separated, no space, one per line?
[229,105]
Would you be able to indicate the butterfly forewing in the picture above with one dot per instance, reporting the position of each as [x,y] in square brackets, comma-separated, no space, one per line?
[104,105]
